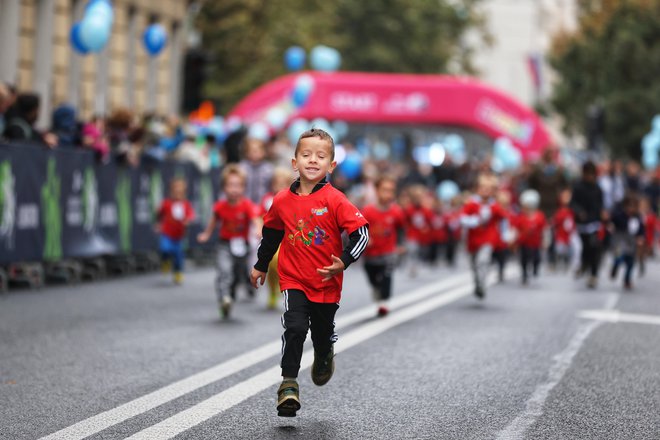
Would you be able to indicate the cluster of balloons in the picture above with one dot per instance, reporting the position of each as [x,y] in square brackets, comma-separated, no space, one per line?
[155,39]
[651,145]
[321,58]
[91,34]
[455,148]
[506,156]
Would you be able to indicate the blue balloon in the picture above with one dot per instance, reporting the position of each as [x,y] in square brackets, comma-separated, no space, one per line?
[94,32]
[341,129]
[76,42]
[296,128]
[351,166]
[155,39]
[650,160]
[447,190]
[294,58]
[100,8]
[655,124]
[302,90]
[325,59]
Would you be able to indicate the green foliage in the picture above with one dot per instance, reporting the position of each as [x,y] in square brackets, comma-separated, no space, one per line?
[247,38]
[613,59]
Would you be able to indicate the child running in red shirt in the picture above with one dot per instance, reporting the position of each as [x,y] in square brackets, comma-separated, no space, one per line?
[530,224]
[386,231]
[481,216]
[236,214]
[308,220]
[281,180]
[174,215]
[419,216]
[563,229]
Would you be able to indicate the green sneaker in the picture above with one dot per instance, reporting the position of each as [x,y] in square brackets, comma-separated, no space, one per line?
[323,367]
[288,399]
[224,308]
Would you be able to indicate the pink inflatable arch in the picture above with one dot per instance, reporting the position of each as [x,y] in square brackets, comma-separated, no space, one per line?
[403,99]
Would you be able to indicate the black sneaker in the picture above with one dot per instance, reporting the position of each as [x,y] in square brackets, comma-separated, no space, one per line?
[288,399]
[323,367]
[479,292]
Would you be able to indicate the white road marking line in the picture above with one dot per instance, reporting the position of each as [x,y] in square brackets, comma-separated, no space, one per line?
[562,362]
[225,400]
[618,316]
[106,419]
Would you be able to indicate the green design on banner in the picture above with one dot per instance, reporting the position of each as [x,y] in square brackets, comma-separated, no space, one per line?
[90,200]
[155,192]
[124,211]
[7,203]
[52,213]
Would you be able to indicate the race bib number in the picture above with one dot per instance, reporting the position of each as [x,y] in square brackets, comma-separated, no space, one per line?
[178,211]
[238,247]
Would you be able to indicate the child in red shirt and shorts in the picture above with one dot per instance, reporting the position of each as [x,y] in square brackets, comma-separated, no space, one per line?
[174,216]
[236,214]
[308,221]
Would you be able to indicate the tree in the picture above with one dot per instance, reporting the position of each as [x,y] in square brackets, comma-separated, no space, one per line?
[612,61]
[246,39]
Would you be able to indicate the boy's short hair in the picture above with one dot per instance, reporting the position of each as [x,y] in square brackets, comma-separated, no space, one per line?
[178,179]
[321,134]
[384,178]
[233,169]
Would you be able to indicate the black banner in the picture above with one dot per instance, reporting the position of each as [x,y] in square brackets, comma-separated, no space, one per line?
[63,204]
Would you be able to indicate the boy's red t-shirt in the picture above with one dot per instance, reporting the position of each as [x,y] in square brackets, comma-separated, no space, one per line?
[650,227]
[530,229]
[266,203]
[418,225]
[234,219]
[438,228]
[563,223]
[487,233]
[453,224]
[312,226]
[383,226]
[172,215]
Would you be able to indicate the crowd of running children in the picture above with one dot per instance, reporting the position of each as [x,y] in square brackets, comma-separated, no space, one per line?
[308,233]
[413,226]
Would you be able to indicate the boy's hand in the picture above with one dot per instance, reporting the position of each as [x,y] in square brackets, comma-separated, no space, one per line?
[203,237]
[336,267]
[257,278]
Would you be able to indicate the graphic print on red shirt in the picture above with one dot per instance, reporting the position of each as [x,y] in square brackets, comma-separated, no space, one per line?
[312,226]
[173,215]
[563,224]
[486,231]
[234,219]
[419,224]
[383,227]
[530,229]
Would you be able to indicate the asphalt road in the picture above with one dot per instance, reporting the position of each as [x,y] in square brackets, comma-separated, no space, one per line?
[139,357]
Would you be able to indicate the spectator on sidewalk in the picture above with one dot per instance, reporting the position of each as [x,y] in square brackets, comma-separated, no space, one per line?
[20,127]
[94,137]
[65,126]
[4,105]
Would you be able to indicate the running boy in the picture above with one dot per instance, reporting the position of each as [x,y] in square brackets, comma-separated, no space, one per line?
[530,224]
[174,215]
[627,237]
[563,229]
[235,213]
[481,216]
[308,220]
[386,226]
[282,178]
